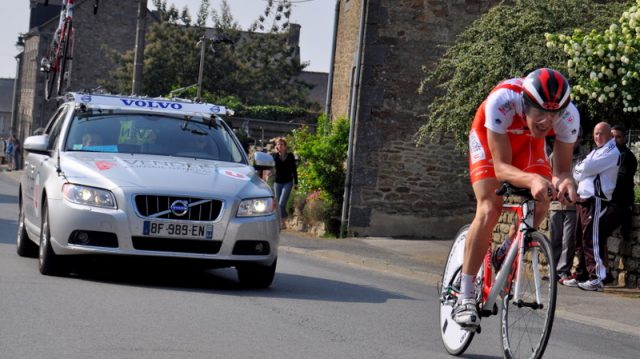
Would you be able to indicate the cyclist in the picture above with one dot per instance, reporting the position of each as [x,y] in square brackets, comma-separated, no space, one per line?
[507,143]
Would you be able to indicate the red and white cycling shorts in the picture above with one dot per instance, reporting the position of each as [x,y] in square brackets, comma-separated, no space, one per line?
[528,153]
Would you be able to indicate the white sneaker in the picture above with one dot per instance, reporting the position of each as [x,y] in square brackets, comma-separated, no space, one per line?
[594,285]
[569,282]
[466,314]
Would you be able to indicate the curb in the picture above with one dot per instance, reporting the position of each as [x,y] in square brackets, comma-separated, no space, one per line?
[368,263]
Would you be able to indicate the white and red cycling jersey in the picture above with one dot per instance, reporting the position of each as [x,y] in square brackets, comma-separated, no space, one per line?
[503,112]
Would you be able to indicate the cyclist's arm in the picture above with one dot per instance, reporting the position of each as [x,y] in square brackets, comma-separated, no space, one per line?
[562,177]
[500,148]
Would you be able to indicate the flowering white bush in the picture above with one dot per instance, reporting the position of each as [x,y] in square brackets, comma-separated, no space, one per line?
[635,148]
[604,66]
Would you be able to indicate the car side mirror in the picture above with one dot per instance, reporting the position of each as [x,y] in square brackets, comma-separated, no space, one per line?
[263,161]
[37,144]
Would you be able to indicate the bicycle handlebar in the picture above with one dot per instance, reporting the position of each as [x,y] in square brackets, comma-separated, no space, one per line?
[506,189]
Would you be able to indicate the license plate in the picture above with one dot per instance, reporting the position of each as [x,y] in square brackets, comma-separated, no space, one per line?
[164,229]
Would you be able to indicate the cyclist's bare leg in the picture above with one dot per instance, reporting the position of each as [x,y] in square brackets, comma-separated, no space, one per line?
[542,208]
[488,209]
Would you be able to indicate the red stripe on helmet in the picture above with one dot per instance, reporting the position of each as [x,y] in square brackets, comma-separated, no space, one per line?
[560,90]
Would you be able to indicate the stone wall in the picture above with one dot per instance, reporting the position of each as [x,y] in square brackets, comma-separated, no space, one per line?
[624,256]
[399,189]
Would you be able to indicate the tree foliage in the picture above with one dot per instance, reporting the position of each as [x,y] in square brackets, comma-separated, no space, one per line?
[322,155]
[605,66]
[257,67]
[505,42]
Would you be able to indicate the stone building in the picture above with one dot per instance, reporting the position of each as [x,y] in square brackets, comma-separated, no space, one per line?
[6,106]
[396,188]
[112,29]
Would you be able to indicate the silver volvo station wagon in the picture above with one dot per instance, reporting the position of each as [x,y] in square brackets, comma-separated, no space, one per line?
[155,177]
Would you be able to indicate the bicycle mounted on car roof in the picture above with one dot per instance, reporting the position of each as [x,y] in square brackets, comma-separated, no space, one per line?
[56,65]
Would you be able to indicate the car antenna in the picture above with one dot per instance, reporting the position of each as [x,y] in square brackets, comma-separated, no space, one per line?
[58,166]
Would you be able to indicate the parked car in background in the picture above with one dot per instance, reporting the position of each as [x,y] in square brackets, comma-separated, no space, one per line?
[115,175]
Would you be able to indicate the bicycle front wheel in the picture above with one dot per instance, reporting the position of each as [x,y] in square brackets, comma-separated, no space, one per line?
[527,320]
[50,69]
[64,73]
[455,338]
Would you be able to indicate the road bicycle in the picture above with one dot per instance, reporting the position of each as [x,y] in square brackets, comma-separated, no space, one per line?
[526,284]
[56,65]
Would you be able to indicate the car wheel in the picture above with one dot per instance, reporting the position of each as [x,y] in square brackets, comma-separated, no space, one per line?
[24,246]
[256,275]
[49,262]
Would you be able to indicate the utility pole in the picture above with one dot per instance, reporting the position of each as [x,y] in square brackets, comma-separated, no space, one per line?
[203,46]
[139,51]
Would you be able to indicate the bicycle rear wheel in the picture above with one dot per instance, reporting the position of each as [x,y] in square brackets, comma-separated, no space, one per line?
[526,324]
[455,339]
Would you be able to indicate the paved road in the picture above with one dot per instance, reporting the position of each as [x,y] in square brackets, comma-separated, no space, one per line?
[358,298]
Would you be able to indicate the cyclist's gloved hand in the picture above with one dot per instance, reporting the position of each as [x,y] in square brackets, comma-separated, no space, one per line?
[542,190]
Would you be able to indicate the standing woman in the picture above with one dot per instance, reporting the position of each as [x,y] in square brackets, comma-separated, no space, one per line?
[16,153]
[286,177]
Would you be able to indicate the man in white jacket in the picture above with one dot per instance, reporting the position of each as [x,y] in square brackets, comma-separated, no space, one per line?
[596,176]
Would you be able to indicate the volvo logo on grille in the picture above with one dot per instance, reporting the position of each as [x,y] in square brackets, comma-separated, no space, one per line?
[179,207]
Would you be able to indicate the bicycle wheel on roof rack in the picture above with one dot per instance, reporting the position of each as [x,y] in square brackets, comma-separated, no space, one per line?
[64,68]
[49,67]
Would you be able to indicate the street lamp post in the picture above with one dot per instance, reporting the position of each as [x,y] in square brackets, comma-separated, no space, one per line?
[20,47]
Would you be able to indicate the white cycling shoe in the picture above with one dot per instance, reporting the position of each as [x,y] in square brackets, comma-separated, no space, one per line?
[466,314]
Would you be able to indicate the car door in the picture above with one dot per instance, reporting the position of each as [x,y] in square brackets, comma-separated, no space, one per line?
[32,190]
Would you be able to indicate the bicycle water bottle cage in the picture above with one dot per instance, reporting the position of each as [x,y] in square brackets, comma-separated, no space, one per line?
[506,189]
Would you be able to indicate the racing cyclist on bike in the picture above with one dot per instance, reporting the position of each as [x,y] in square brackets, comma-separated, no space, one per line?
[507,143]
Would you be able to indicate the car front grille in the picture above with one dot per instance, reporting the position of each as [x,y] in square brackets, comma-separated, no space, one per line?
[195,209]
[176,245]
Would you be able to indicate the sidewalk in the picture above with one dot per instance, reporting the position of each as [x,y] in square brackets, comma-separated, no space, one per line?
[617,309]
[13,175]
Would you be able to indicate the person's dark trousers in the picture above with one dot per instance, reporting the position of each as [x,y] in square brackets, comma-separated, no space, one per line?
[562,224]
[621,215]
[592,231]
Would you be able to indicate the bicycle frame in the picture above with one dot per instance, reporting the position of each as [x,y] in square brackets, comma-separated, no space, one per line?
[66,16]
[491,290]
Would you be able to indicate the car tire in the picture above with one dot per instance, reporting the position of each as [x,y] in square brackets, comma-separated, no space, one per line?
[256,275]
[24,246]
[49,262]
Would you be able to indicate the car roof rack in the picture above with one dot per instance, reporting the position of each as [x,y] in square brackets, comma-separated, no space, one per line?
[146,104]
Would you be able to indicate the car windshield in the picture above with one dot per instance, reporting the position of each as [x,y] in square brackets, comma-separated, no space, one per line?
[154,135]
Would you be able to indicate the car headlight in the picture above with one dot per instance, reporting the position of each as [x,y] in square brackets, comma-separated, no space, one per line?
[88,196]
[257,207]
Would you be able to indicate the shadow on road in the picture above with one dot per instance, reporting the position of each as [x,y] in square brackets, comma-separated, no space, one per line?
[170,275]
[8,231]
[6,198]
